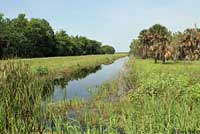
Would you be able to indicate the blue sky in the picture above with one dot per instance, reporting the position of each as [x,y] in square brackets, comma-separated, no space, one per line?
[113,22]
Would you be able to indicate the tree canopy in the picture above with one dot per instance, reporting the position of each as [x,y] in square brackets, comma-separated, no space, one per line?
[22,37]
[156,34]
[186,44]
[106,49]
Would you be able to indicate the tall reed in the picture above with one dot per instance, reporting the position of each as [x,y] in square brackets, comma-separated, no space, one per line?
[21,93]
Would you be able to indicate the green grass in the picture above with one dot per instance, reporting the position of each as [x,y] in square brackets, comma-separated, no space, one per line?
[67,66]
[22,91]
[157,98]
[166,96]
[70,63]
[146,98]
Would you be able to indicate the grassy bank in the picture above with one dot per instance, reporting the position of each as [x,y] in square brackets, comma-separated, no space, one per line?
[148,98]
[68,65]
[22,91]
[71,63]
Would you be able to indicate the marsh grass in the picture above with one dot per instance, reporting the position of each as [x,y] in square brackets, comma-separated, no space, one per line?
[23,108]
[159,98]
[21,93]
[155,98]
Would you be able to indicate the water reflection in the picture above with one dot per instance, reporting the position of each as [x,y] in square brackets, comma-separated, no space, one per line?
[79,85]
[62,82]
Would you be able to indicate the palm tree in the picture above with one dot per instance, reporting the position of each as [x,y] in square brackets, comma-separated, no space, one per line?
[160,38]
[189,42]
[144,39]
[155,35]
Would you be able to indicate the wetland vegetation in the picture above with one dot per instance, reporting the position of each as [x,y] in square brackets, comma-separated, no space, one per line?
[27,83]
[133,95]
[145,98]
[153,99]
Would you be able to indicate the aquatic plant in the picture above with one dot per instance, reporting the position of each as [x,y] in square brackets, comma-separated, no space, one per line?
[21,93]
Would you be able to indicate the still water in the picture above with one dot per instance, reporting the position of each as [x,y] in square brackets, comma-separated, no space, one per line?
[80,88]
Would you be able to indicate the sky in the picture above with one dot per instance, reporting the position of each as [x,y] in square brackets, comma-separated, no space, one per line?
[112,22]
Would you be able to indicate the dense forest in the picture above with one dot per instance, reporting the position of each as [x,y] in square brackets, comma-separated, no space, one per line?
[22,37]
[159,43]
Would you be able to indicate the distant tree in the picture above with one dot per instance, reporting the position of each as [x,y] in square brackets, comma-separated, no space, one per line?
[136,48]
[145,40]
[159,30]
[156,34]
[106,49]
[94,47]
[64,44]
[18,40]
[20,37]
[41,38]
[159,34]
[157,39]
[3,41]
[85,46]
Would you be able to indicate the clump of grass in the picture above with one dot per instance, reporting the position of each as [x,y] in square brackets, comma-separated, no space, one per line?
[166,98]
[62,108]
[21,93]
[42,70]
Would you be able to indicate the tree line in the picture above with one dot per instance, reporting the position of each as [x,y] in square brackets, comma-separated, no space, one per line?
[28,38]
[158,41]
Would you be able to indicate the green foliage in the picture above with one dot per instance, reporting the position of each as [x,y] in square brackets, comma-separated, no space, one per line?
[156,34]
[159,30]
[135,47]
[41,38]
[147,98]
[166,97]
[64,45]
[42,70]
[21,94]
[106,49]
[185,45]
[20,37]
[157,99]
